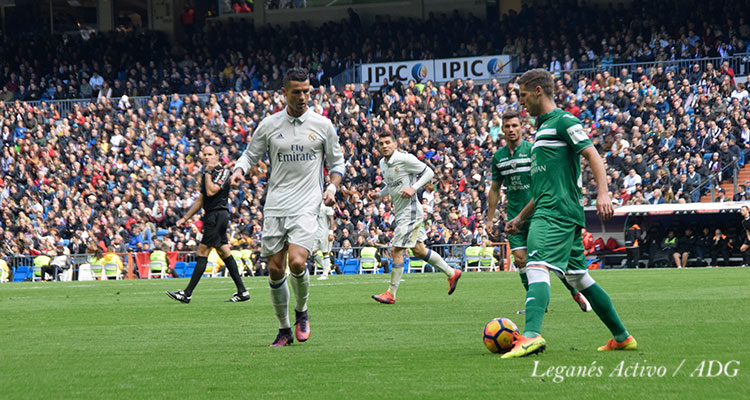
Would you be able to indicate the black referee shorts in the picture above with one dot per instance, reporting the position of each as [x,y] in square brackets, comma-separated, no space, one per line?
[215,225]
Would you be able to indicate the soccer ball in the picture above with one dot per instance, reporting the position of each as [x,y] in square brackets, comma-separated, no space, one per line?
[499,335]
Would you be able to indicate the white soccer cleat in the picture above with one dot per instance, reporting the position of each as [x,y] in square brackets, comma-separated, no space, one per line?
[582,302]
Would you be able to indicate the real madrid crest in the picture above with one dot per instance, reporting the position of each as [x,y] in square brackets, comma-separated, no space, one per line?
[395,168]
[311,136]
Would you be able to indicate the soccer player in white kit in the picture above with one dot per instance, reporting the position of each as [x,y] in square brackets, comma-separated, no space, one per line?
[298,141]
[403,175]
[323,240]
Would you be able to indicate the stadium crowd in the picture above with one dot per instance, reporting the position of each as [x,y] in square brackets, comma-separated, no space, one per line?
[115,176]
[233,54]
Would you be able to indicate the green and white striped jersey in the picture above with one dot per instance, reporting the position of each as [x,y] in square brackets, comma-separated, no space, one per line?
[556,166]
[515,171]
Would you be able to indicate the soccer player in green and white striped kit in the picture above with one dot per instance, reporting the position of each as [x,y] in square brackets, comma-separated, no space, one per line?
[512,165]
[556,215]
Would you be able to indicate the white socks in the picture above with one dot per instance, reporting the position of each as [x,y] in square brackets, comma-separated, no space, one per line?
[435,260]
[301,288]
[396,271]
[280,301]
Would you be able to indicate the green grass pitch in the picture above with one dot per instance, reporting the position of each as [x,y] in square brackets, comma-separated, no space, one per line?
[128,340]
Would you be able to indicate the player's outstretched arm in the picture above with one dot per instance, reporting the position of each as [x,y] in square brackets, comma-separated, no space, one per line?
[603,201]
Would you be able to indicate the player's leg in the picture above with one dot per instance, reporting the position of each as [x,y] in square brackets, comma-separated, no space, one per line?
[578,277]
[549,242]
[274,248]
[279,294]
[321,256]
[404,237]
[299,276]
[318,258]
[434,259]
[518,250]
[517,245]
[537,298]
[685,255]
[519,260]
[327,263]
[397,269]
[578,297]
[301,241]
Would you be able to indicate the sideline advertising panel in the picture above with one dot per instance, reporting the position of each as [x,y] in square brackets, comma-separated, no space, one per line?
[441,70]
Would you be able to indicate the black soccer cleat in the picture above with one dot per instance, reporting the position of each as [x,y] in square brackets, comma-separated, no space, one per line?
[284,338]
[236,298]
[179,296]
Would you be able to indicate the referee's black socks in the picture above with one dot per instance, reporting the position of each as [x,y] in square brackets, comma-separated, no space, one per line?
[200,268]
[235,274]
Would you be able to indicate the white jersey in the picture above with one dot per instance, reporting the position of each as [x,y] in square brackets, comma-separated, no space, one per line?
[324,222]
[401,172]
[297,148]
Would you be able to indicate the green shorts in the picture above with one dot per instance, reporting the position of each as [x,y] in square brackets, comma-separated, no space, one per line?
[518,242]
[555,244]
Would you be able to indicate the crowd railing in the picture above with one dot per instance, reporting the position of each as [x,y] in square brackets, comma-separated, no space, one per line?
[137,264]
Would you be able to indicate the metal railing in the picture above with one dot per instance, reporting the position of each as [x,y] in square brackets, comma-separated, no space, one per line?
[710,182]
[67,106]
[452,253]
[740,63]
[349,75]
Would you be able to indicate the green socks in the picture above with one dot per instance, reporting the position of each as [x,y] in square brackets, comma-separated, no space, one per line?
[603,307]
[537,299]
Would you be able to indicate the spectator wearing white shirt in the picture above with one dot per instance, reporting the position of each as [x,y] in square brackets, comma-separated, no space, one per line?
[96,81]
[740,92]
[631,180]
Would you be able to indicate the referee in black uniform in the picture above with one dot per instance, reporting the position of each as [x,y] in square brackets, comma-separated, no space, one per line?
[214,200]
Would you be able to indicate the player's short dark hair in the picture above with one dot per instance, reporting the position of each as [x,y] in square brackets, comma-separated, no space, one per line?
[387,134]
[510,114]
[294,74]
[538,77]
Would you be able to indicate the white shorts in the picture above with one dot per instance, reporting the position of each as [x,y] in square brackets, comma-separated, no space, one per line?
[278,231]
[407,234]
[322,244]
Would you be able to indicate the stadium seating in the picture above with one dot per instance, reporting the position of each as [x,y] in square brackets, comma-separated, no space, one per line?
[22,273]
[189,269]
[351,266]
[416,264]
[180,267]
[367,261]
[157,269]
